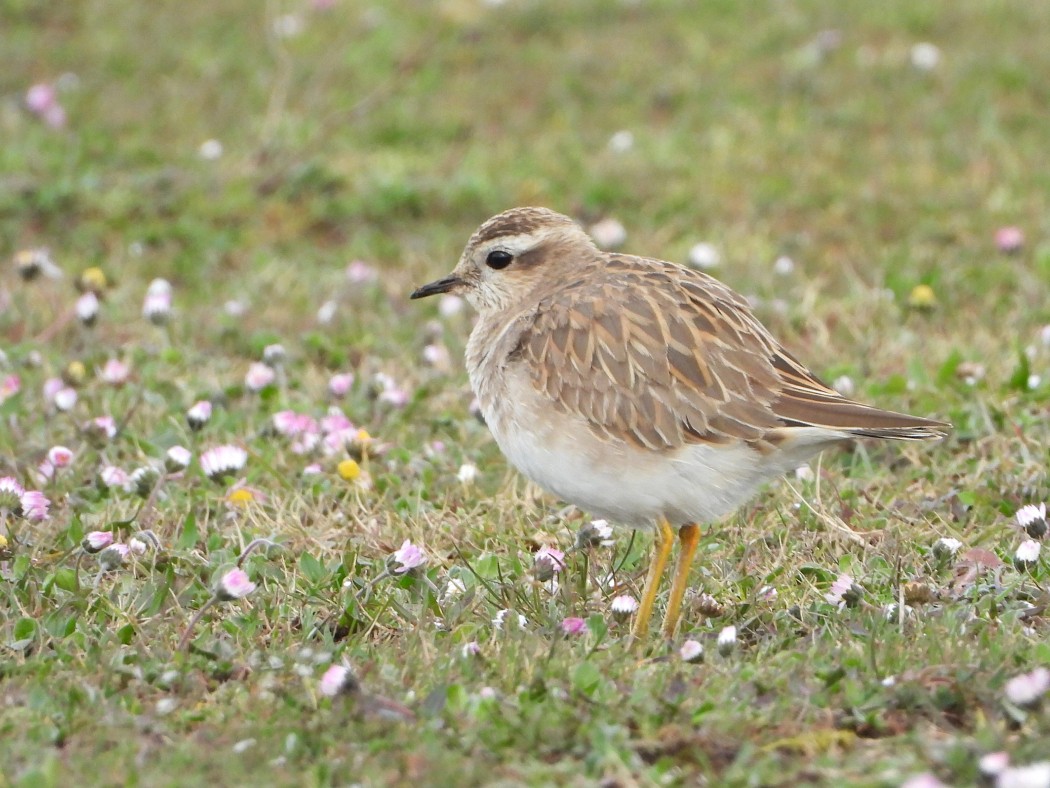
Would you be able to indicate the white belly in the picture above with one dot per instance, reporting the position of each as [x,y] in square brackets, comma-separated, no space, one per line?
[696,483]
[620,482]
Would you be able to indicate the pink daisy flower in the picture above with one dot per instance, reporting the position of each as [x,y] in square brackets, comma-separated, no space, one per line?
[408,557]
[573,626]
[234,584]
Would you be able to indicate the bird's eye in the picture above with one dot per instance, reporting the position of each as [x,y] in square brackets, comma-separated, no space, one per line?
[498,259]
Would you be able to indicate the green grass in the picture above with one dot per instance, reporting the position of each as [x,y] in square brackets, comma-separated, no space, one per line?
[387,133]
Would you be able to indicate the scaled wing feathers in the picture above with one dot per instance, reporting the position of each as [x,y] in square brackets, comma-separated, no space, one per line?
[661,356]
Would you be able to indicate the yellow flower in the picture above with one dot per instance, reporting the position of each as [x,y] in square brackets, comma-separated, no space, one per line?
[361,444]
[25,257]
[922,297]
[3,541]
[349,470]
[242,496]
[74,373]
[27,261]
[93,279]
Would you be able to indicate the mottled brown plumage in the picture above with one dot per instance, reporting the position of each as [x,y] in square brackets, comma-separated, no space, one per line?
[661,356]
[640,390]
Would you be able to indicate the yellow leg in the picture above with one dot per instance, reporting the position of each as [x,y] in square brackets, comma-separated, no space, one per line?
[689,535]
[661,551]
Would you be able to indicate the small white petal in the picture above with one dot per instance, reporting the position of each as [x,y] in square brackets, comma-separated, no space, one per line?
[624,604]
[844,386]
[608,233]
[1028,552]
[691,651]
[210,150]
[1027,688]
[621,142]
[925,56]
[1034,775]
[783,266]
[727,640]
[704,256]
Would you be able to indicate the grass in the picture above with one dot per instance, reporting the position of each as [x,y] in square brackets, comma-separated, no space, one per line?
[386,134]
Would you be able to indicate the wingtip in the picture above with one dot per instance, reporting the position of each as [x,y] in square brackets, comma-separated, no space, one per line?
[943,431]
[930,431]
[858,419]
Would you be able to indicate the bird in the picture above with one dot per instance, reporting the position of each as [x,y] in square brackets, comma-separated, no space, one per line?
[642,391]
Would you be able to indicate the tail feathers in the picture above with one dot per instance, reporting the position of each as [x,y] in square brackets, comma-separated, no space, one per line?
[858,420]
[934,431]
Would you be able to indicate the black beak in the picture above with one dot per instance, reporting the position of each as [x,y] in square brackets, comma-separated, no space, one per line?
[440,286]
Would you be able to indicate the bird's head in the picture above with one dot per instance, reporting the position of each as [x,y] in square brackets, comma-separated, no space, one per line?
[512,256]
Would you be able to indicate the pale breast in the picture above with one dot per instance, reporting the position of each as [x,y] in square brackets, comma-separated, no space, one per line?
[488,353]
[606,477]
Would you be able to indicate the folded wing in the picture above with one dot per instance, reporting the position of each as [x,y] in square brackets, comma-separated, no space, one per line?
[661,356]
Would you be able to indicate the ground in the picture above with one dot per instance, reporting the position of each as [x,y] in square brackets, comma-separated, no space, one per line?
[869,174]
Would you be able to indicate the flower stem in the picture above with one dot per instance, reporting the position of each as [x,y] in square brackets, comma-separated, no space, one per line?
[251,546]
[184,641]
[76,572]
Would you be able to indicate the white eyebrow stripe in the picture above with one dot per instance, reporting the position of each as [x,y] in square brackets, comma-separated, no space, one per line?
[515,244]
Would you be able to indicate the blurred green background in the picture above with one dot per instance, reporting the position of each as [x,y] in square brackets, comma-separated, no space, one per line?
[388,131]
[251,150]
